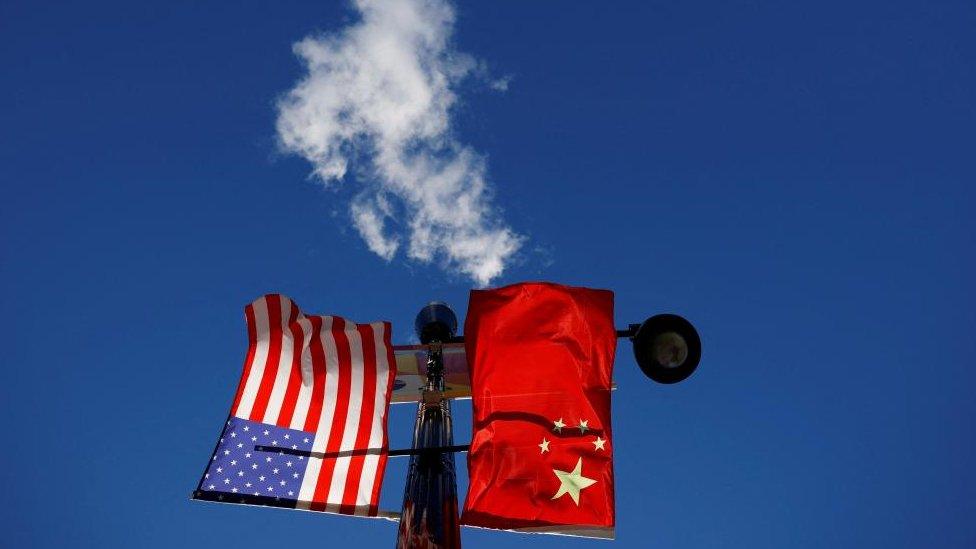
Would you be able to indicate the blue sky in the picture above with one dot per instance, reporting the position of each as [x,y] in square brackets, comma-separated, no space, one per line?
[792,178]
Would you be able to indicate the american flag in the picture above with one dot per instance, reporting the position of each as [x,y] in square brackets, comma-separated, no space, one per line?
[307,429]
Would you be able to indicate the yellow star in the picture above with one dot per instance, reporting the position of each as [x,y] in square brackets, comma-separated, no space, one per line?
[582,426]
[598,444]
[572,482]
[558,425]
[544,446]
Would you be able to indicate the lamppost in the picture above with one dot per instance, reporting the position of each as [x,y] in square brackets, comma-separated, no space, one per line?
[667,349]
[429,517]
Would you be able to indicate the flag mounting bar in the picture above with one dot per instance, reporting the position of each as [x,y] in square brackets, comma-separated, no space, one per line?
[435,449]
[370,451]
[629,332]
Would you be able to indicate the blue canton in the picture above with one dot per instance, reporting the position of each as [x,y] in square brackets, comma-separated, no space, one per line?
[240,473]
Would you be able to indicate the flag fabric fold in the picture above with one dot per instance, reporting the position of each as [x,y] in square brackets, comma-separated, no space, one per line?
[307,428]
[541,458]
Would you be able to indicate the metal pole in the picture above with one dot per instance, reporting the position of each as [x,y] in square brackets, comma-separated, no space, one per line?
[429,518]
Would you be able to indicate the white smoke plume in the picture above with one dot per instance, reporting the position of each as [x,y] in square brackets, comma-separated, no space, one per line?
[377,100]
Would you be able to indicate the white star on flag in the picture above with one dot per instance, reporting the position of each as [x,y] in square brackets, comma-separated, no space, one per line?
[558,425]
[544,446]
[582,426]
[598,443]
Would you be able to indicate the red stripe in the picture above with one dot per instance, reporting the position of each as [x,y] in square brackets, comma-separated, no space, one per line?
[381,463]
[344,378]
[295,377]
[367,414]
[318,376]
[374,500]
[293,316]
[252,338]
[274,355]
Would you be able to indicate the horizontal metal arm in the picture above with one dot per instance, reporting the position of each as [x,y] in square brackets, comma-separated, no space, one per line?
[630,331]
[364,452]
[435,449]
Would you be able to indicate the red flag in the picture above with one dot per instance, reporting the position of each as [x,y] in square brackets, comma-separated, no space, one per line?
[541,458]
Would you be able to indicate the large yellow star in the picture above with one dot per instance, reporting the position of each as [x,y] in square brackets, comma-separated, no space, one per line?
[572,482]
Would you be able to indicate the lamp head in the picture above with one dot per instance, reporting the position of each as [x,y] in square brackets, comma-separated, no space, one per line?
[436,321]
[667,348]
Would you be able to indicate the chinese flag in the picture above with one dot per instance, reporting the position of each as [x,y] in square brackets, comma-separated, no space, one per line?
[541,458]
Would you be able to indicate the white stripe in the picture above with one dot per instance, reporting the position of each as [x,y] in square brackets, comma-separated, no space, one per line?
[285,365]
[324,429]
[327,419]
[338,486]
[253,381]
[382,382]
[304,401]
[370,464]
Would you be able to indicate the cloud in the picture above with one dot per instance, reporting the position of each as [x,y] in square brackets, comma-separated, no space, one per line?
[377,100]
[501,84]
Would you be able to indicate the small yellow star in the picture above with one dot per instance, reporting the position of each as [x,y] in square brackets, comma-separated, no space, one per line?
[544,446]
[598,444]
[582,426]
[558,425]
